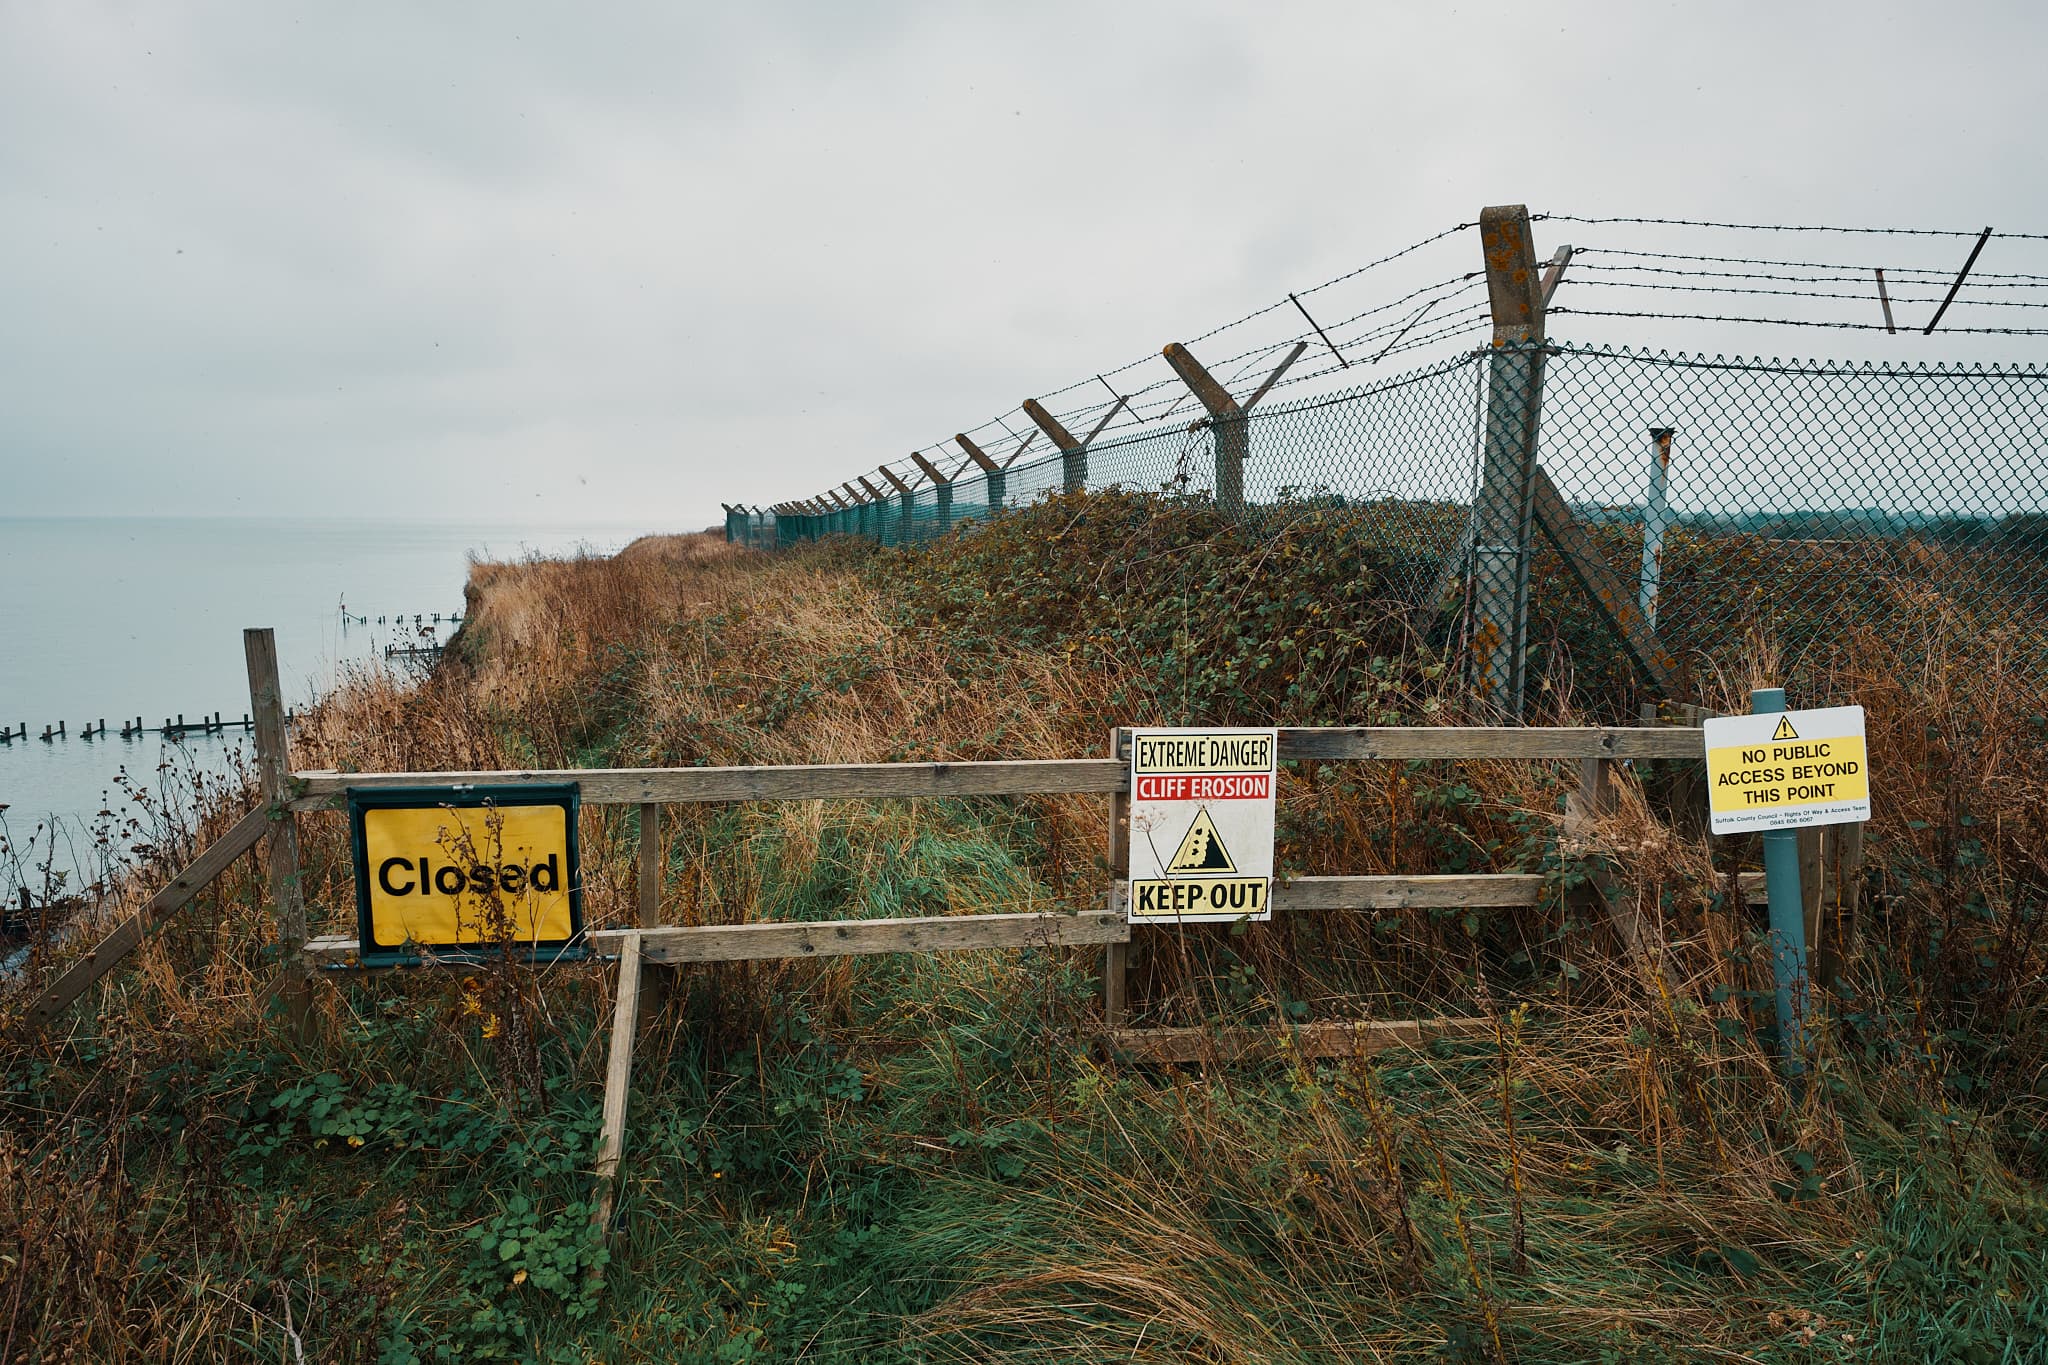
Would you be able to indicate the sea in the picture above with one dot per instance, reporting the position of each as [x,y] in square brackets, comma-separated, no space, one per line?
[117,619]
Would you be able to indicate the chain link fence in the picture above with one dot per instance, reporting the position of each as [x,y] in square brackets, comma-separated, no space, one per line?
[755,528]
[1677,505]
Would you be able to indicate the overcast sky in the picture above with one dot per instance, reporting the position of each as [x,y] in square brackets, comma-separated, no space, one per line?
[598,263]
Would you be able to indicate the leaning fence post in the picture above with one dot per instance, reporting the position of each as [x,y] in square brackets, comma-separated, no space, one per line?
[1226,422]
[1656,517]
[1073,454]
[1504,520]
[991,472]
[944,485]
[875,511]
[273,773]
[1116,956]
[906,526]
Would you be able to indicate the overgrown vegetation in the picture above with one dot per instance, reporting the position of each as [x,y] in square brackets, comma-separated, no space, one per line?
[932,1159]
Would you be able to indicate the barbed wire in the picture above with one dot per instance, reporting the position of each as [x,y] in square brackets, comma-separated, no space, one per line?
[1792,322]
[1864,277]
[1807,293]
[1940,272]
[1419,318]
[1256,313]
[1787,227]
[1394,256]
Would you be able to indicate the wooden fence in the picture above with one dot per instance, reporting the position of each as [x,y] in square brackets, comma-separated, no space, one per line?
[289,795]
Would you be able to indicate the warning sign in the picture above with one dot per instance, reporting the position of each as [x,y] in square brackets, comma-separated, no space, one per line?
[455,868]
[1202,825]
[1787,770]
[1201,851]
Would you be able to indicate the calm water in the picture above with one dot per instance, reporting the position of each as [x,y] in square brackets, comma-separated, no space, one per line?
[119,617]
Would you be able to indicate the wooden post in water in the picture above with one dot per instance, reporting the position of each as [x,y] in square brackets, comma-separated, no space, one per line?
[273,771]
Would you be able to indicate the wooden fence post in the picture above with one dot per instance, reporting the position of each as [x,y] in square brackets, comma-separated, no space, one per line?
[618,1081]
[1073,455]
[1594,798]
[1503,519]
[1116,956]
[273,773]
[650,865]
[906,529]
[991,472]
[1842,861]
[944,486]
[1227,424]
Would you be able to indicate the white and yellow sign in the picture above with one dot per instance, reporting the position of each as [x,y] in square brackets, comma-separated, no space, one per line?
[1787,770]
[1202,825]
[465,870]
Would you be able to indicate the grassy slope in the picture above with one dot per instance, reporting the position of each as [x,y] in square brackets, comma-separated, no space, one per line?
[926,1159]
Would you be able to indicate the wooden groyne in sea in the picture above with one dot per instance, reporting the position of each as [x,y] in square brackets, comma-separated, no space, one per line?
[173,727]
[177,727]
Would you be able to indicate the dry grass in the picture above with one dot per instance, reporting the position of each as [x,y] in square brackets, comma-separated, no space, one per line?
[1614,1172]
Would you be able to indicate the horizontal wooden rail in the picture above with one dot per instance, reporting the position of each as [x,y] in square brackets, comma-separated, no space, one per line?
[859,937]
[956,933]
[1500,741]
[128,935]
[635,786]
[1398,893]
[828,938]
[1333,1038]
[1024,777]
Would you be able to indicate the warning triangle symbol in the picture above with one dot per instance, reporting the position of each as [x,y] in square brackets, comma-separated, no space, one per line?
[1201,850]
[1784,730]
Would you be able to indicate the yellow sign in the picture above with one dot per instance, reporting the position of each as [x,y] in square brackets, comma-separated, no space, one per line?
[1787,770]
[467,871]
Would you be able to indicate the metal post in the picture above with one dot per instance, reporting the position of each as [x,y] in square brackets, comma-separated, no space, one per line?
[1116,956]
[1788,917]
[1656,516]
[1504,518]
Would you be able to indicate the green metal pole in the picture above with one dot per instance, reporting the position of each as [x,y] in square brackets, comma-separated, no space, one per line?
[1788,916]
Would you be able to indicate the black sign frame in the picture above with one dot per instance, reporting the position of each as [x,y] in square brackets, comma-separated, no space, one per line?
[567,795]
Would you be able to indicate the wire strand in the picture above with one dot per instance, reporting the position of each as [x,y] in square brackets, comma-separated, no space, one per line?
[1794,322]
[1786,227]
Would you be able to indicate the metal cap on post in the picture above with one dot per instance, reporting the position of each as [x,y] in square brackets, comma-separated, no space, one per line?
[1503,505]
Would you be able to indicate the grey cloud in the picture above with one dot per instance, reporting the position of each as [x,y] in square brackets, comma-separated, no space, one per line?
[630,260]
